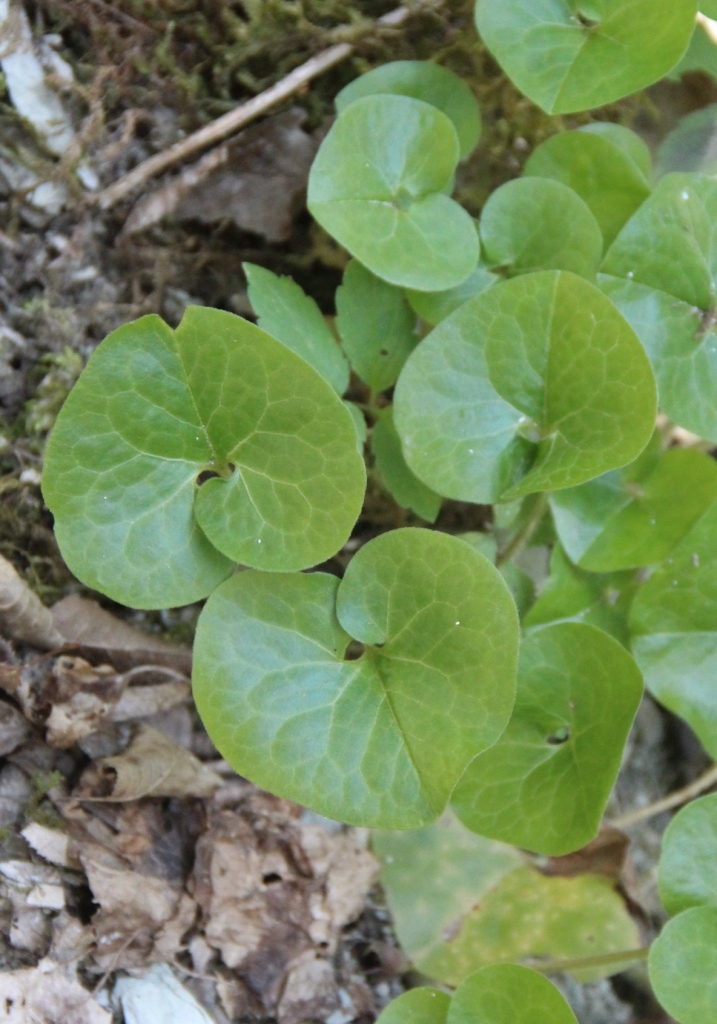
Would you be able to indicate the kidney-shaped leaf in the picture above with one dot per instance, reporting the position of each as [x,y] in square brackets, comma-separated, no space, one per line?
[423,81]
[377,185]
[603,175]
[419,1006]
[286,312]
[683,966]
[546,782]
[153,411]
[509,994]
[635,517]
[674,625]
[380,740]
[539,224]
[536,384]
[629,142]
[436,306]
[568,55]
[688,866]
[377,326]
[400,482]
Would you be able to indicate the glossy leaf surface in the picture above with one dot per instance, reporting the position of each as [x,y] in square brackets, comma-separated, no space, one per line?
[605,176]
[509,994]
[538,224]
[376,325]
[688,867]
[536,384]
[635,517]
[436,306]
[683,966]
[376,741]
[674,625]
[529,915]
[377,185]
[567,56]
[400,482]
[418,1006]
[286,312]
[434,876]
[423,81]
[545,784]
[153,410]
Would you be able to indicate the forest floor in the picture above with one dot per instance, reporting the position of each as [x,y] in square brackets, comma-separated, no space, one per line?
[125,841]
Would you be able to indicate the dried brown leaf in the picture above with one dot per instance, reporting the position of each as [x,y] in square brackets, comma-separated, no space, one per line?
[152,765]
[81,698]
[49,843]
[605,855]
[23,616]
[48,994]
[143,701]
[310,991]
[14,729]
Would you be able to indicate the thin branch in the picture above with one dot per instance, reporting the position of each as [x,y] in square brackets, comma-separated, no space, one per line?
[676,799]
[526,531]
[586,962]
[230,123]
[709,25]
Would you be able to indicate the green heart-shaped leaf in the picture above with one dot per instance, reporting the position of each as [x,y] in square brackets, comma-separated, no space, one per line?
[288,314]
[154,410]
[403,485]
[701,56]
[573,595]
[419,1006]
[683,966]
[545,784]
[536,384]
[436,306]
[376,325]
[509,994]
[635,517]
[674,625]
[376,741]
[377,185]
[423,81]
[629,142]
[567,56]
[688,866]
[538,224]
[606,177]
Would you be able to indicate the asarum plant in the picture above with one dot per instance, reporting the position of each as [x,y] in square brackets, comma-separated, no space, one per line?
[552,329]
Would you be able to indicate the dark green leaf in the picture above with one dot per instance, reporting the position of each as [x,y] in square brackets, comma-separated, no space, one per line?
[376,325]
[377,185]
[688,866]
[436,306]
[567,56]
[599,171]
[287,313]
[536,384]
[423,81]
[683,966]
[376,741]
[538,224]
[545,784]
[509,994]
[403,486]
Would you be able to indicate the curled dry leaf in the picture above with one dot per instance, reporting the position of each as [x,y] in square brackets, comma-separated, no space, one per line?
[50,843]
[23,616]
[143,701]
[81,698]
[152,765]
[14,729]
[50,994]
[605,855]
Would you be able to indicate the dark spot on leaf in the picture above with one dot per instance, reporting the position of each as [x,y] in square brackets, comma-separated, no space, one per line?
[559,737]
[384,352]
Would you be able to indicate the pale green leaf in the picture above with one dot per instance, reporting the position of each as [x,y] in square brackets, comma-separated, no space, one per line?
[606,177]
[683,966]
[635,517]
[403,486]
[539,224]
[433,876]
[418,1006]
[573,595]
[376,325]
[509,994]
[631,144]
[153,411]
[521,585]
[688,866]
[674,625]
[423,81]
[532,916]
[545,784]
[436,306]
[285,311]
[567,56]
[377,185]
[377,741]
[692,145]
[536,384]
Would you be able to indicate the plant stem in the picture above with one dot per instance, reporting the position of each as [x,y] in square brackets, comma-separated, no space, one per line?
[584,963]
[525,532]
[676,799]
[709,25]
